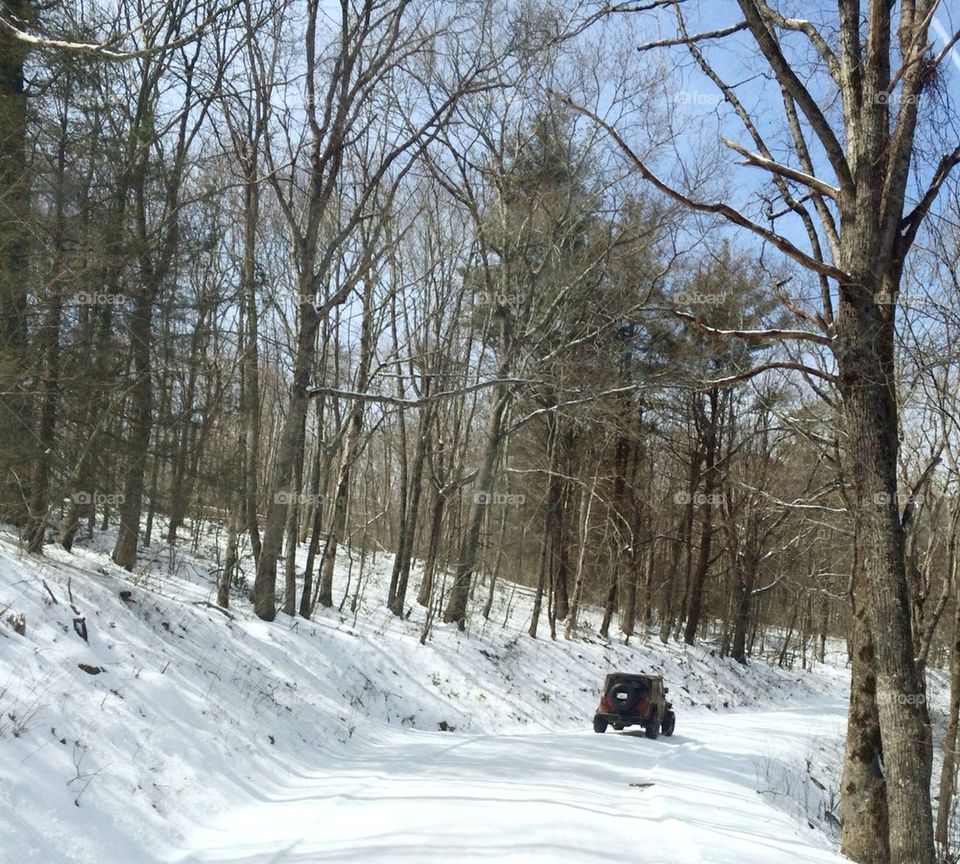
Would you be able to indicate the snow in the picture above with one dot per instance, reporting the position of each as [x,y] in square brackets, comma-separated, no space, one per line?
[557,796]
[212,736]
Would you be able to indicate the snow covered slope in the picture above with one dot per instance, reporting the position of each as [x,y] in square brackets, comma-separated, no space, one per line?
[180,732]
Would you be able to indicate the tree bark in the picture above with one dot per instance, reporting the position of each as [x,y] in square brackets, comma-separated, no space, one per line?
[456,609]
[865,362]
[863,800]
[711,484]
[404,557]
[15,447]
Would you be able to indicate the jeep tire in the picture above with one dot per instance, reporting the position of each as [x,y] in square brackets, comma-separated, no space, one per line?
[599,724]
[669,723]
[653,725]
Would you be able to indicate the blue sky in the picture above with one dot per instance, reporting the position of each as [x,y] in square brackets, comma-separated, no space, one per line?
[700,113]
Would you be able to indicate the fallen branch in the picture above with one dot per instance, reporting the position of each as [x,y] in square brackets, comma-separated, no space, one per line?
[219,609]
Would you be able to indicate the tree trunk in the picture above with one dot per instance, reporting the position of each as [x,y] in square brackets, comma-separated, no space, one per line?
[578,584]
[15,447]
[746,578]
[865,363]
[863,797]
[948,774]
[293,520]
[538,595]
[679,547]
[433,548]
[338,516]
[291,444]
[250,364]
[497,563]
[408,529]
[456,609]
[48,344]
[321,468]
[138,439]
[555,520]
[695,609]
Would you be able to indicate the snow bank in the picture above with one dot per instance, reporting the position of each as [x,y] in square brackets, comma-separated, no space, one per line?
[117,745]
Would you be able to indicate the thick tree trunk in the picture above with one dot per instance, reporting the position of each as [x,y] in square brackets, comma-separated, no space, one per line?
[863,801]
[865,363]
[293,531]
[231,558]
[16,449]
[48,344]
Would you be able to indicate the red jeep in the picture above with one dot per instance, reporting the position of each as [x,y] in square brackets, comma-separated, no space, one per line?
[635,700]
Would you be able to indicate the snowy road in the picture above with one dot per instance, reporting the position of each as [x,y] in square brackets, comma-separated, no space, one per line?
[557,797]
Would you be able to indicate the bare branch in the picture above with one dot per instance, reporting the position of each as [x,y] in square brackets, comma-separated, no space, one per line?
[720,209]
[938,59]
[102,50]
[414,403]
[698,37]
[765,335]
[774,167]
[788,78]
[912,221]
[766,367]
[801,25]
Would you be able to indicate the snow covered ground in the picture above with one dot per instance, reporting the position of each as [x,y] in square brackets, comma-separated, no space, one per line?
[541,797]
[179,733]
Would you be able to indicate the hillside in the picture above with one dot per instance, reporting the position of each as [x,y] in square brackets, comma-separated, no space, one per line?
[174,717]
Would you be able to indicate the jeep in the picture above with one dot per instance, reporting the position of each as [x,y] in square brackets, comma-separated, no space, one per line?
[635,700]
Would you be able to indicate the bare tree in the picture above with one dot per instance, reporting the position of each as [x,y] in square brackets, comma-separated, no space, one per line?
[861,230]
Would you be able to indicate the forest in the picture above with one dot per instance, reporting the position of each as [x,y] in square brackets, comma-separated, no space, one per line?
[646,306]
